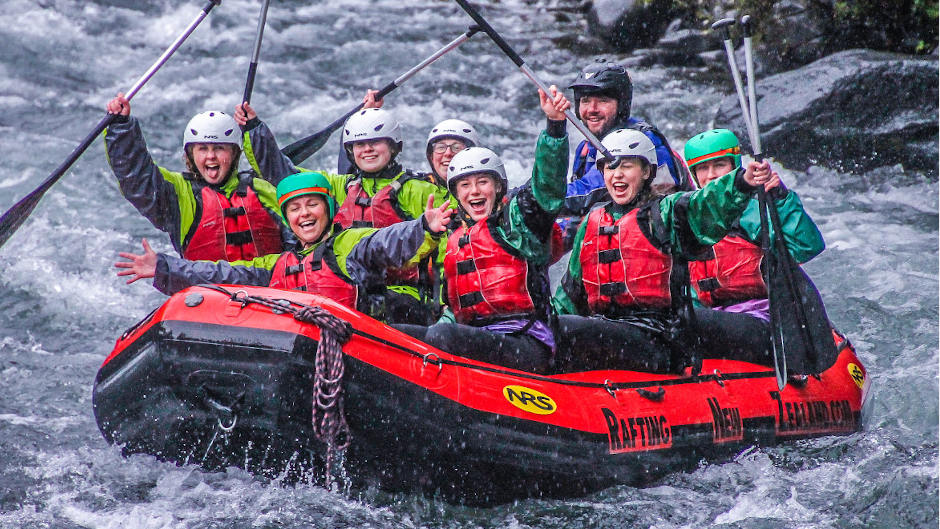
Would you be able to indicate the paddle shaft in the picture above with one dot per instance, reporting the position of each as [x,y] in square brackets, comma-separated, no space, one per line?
[302,149]
[782,251]
[515,58]
[16,215]
[767,207]
[253,65]
[780,362]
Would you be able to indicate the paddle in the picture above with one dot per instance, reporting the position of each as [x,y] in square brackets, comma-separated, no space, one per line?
[16,215]
[801,335]
[515,58]
[302,149]
[253,65]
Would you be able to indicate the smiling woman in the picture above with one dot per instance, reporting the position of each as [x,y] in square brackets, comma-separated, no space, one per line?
[209,212]
[340,264]
[496,266]
[379,193]
[619,300]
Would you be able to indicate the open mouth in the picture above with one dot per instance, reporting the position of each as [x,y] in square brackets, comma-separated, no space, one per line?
[594,119]
[477,207]
[620,189]
[308,226]
[212,170]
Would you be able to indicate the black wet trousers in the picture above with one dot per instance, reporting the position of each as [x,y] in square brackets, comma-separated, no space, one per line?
[734,336]
[514,351]
[595,342]
[403,308]
[587,343]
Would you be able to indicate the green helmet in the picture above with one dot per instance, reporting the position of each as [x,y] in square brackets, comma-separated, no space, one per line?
[711,144]
[299,184]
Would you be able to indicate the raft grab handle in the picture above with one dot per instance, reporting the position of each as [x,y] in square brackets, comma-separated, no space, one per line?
[655,396]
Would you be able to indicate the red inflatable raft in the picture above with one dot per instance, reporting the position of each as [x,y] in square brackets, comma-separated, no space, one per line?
[213,378]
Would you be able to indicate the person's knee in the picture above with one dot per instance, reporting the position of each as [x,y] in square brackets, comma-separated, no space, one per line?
[441,335]
[415,331]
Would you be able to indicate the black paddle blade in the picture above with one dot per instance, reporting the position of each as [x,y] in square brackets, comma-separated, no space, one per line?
[15,216]
[803,334]
[304,148]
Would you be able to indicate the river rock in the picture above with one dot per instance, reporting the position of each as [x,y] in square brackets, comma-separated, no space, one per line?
[853,111]
[630,24]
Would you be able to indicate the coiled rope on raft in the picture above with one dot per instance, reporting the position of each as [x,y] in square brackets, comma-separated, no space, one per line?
[328,413]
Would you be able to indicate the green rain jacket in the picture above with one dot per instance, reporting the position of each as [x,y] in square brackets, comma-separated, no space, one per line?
[708,213]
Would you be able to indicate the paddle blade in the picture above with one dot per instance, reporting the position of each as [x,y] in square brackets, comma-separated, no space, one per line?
[304,148]
[15,216]
[802,332]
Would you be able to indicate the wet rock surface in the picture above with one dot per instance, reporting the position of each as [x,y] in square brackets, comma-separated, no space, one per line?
[854,110]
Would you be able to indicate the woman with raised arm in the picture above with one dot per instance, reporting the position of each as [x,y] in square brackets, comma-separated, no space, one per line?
[379,193]
[624,301]
[496,265]
[210,210]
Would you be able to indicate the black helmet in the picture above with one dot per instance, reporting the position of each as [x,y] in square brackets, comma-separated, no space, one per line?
[604,78]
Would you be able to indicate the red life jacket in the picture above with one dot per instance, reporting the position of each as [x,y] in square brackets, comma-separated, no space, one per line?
[731,275]
[486,281]
[620,267]
[236,228]
[359,210]
[317,273]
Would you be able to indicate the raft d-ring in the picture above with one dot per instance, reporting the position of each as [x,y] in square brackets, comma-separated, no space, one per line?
[609,387]
[244,300]
[437,361]
[718,379]
[230,427]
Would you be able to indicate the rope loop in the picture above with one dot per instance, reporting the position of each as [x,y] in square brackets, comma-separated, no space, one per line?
[328,417]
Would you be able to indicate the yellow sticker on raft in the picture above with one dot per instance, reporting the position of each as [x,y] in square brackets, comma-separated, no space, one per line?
[529,400]
[857,375]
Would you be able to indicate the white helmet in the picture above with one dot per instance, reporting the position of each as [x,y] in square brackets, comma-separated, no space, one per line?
[629,142]
[371,124]
[454,128]
[474,160]
[212,127]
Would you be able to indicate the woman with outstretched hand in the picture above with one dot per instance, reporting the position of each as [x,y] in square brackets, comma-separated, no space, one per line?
[339,264]
[728,278]
[379,193]
[624,301]
[496,265]
[210,211]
